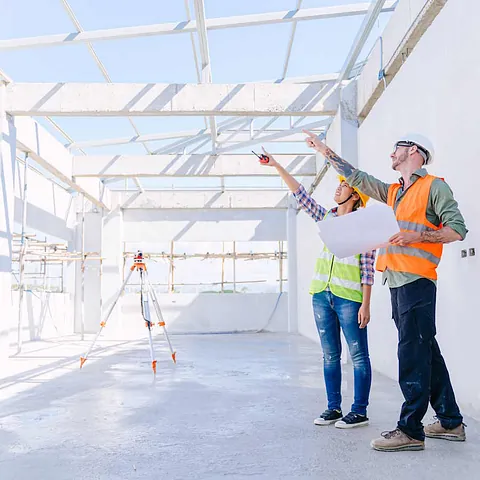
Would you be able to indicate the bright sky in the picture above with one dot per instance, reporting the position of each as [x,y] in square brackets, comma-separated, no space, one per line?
[237,55]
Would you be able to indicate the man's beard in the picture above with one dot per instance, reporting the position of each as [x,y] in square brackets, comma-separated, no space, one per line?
[399,160]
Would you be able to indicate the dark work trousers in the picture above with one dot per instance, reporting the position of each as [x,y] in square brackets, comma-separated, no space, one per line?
[422,373]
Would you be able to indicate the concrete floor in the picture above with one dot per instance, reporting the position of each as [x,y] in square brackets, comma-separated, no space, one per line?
[233,407]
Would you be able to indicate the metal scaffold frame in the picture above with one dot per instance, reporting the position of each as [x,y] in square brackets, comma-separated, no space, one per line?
[172,257]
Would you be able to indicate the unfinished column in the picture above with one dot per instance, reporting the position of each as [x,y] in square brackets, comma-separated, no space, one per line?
[7,173]
[112,254]
[88,308]
[348,119]
[342,138]
[292,266]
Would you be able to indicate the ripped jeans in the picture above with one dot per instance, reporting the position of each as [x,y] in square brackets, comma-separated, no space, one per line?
[422,373]
[333,313]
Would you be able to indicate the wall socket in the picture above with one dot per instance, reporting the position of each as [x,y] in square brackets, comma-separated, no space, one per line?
[463,253]
[471,252]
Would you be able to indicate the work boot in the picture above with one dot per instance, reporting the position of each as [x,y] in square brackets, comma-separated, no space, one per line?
[396,441]
[435,430]
[328,417]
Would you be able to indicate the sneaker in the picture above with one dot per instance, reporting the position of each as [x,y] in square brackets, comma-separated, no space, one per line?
[352,420]
[328,417]
[435,430]
[396,441]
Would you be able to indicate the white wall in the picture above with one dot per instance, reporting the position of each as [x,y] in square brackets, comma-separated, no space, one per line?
[50,208]
[436,93]
[386,47]
[156,225]
[7,173]
[45,315]
[205,313]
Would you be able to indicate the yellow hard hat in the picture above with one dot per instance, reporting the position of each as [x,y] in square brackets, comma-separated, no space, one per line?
[364,198]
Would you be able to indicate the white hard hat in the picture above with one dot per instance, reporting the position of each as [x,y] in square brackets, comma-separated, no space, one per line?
[425,146]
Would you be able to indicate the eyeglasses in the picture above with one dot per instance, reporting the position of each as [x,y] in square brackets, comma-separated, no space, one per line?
[407,143]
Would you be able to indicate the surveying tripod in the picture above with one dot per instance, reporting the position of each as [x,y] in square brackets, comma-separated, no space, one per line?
[146,291]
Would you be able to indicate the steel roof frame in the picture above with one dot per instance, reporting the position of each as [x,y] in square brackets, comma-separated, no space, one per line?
[233,133]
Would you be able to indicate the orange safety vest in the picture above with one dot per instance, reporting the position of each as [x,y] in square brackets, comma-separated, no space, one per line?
[418,258]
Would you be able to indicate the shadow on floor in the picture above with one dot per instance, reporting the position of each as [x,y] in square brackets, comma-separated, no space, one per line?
[233,406]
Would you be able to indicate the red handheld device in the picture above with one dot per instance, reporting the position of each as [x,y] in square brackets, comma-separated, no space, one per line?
[263,158]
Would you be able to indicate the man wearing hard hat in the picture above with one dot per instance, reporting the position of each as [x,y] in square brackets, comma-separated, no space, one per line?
[428,216]
[341,290]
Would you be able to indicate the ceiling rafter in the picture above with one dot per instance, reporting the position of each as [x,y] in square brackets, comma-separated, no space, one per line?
[97,60]
[320,13]
[206,71]
[224,137]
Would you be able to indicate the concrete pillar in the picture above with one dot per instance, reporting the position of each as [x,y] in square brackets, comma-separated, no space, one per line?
[349,124]
[112,254]
[7,175]
[292,266]
[92,298]
[348,150]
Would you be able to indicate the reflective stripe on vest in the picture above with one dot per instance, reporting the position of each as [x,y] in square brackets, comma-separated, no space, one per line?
[414,227]
[414,252]
[341,276]
[419,258]
[337,281]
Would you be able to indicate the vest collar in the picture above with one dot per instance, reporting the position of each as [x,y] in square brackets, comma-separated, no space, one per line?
[420,173]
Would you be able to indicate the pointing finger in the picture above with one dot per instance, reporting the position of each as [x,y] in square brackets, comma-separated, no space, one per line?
[310,134]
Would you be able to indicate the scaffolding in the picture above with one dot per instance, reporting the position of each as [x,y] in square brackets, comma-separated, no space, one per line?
[171,258]
[50,252]
[27,249]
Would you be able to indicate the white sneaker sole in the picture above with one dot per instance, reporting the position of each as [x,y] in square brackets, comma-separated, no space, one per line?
[323,423]
[346,426]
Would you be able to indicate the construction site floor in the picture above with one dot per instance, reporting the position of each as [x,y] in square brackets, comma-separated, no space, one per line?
[234,406]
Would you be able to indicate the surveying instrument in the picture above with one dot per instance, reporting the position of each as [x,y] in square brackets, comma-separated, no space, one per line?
[146,292]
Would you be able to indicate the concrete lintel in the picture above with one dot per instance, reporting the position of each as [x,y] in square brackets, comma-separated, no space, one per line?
[246,199]
[226,137]
[187,165]
[157,99]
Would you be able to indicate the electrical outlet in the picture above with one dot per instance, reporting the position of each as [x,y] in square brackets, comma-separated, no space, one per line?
[463,253]
[471,252]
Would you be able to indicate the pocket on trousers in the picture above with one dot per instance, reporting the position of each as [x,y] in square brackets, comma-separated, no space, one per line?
[425,323]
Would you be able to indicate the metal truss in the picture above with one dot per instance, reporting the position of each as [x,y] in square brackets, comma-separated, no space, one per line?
[233,133]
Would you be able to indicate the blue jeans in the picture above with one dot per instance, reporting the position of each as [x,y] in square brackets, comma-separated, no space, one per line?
[331,314]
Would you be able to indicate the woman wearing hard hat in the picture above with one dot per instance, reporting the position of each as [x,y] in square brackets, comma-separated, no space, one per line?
[340,290]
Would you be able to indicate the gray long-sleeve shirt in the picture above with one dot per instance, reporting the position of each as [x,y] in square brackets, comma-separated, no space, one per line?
[442,209]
